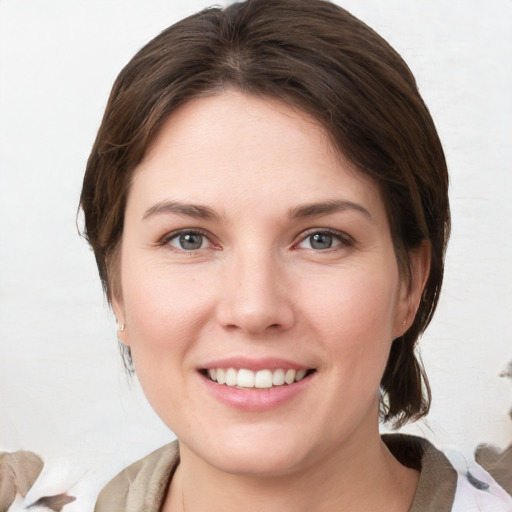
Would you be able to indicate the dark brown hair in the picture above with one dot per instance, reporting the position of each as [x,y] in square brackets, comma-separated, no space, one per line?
[319,58]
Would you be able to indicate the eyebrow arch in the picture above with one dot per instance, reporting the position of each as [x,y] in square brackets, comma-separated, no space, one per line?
[190,210]
[326,208]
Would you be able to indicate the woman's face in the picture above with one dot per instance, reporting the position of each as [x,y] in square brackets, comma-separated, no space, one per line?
[253,253]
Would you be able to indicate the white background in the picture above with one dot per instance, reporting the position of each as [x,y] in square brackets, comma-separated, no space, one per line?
[63,392]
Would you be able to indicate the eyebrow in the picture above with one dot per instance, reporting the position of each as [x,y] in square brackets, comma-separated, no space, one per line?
[190,210]
[301,211]
[326,208]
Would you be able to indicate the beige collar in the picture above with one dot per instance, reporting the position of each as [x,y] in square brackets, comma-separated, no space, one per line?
[142,487]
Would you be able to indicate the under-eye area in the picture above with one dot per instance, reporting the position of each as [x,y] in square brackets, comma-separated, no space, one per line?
[262,379]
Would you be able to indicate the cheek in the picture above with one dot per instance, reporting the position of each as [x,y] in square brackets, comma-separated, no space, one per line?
[355,317]
[163,309]
[164,314]
[356,301]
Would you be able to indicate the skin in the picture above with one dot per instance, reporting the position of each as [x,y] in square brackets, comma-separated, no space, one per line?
[258,288]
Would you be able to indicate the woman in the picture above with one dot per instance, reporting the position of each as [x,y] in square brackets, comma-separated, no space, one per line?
[267,202]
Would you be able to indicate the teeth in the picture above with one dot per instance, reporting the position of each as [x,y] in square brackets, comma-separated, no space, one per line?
[245,379]
[289,376]
[231,377]
[262,379]
[221,376]
[300,375]
[278,378]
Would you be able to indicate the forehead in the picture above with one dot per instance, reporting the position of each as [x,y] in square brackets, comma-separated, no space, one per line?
[234,145]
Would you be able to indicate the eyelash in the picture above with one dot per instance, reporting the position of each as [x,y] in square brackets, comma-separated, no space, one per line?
[165,241]
[344,239]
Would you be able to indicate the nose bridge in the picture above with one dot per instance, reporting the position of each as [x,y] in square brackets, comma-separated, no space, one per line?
[255,297]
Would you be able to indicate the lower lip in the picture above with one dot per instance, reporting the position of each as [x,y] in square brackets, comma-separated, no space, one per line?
[256,399]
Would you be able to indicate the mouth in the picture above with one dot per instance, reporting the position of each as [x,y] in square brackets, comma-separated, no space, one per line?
[244,378]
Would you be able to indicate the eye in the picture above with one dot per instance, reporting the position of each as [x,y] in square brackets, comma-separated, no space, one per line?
[188,241]
[323,240]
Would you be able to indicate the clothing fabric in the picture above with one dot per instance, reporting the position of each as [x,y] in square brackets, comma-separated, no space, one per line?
[142,486]
[498,464]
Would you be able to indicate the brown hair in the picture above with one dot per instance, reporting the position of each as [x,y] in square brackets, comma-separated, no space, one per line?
[319,58]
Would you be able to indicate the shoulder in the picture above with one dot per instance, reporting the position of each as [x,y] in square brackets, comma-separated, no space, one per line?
[497,463]
[142,485]
[438,478]
[476,489]
[448,482]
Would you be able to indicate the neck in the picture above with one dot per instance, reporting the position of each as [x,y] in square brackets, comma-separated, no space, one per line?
[356,478]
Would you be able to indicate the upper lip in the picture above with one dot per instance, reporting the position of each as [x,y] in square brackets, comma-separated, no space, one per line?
[267,363]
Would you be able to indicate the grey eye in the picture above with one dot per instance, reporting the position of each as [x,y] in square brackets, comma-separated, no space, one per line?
[189,241]
[321,241]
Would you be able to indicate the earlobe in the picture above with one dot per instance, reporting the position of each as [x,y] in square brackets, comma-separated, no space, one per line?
[122,330]
[412,290]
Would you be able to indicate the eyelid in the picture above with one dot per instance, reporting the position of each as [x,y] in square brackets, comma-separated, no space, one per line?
[164,241]
[346,240]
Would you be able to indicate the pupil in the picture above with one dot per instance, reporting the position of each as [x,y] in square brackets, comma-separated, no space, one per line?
[321,241]
[190,241]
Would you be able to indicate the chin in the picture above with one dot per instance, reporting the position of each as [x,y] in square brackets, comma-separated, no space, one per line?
[257,463]
[257,451]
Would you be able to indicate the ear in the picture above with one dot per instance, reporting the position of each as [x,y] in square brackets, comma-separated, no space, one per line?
[412,289]
[119,312]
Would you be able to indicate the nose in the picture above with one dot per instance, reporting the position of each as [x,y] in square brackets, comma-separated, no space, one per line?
[255,296]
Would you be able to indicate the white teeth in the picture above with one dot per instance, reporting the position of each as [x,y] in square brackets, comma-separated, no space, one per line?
[289,377]
[262,379]
[231,377]
[278,378]
[245,379]
[300,375]
[221,376]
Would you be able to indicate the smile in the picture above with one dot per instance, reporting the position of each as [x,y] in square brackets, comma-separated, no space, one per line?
[262,379]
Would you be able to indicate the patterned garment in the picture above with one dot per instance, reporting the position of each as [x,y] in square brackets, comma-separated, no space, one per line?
[448,483]
[477,490]
[442,487]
